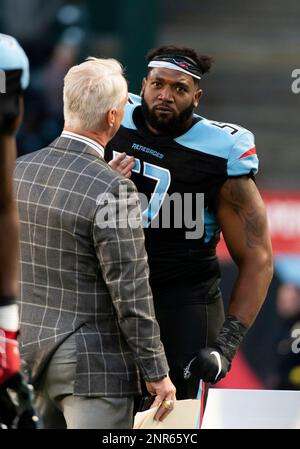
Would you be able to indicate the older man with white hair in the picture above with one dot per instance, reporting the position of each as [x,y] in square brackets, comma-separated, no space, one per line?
[87,318]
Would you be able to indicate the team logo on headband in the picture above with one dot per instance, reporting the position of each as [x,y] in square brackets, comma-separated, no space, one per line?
[183,65]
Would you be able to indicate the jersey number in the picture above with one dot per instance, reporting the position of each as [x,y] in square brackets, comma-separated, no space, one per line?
[225,125]
[162,176]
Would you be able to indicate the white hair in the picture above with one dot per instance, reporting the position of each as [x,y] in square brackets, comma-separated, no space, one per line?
[90,90]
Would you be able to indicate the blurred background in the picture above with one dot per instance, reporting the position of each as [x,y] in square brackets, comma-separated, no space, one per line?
[256,48]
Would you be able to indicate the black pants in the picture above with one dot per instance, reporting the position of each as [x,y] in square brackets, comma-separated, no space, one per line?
[184,331]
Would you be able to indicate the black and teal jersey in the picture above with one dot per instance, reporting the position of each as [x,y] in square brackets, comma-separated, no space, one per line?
[196,162]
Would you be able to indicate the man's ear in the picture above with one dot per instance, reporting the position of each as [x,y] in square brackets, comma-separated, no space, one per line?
[143,86]
[197,96]
[111,117]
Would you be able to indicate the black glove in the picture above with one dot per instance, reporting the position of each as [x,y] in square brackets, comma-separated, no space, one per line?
[16,409]
[213,363]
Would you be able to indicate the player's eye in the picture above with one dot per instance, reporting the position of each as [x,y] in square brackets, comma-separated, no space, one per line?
[156,84]
[181,89]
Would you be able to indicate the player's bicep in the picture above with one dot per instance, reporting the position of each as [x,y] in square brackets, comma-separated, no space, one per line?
[242,218]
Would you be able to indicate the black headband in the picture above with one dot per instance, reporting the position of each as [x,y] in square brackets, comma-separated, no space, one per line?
[177,62]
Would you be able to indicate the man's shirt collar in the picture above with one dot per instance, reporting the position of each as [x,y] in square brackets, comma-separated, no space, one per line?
[92,143]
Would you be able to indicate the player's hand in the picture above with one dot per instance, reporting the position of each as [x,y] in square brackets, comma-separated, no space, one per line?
[213,363]
[209,365]
[123,164]
[165,393]
[9,355]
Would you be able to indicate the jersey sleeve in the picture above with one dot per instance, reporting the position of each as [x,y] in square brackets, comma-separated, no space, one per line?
[242,159]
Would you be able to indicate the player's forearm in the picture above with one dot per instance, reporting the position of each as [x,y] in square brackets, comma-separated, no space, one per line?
[249,292]
[251,286]
[7,164]
[9,227]
[9,252]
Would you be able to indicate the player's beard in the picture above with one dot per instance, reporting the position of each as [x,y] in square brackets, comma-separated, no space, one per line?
[174,125]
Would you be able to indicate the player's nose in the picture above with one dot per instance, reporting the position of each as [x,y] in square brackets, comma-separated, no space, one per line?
[166,94]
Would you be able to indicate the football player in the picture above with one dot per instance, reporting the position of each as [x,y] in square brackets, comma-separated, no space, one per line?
[181,161]
[14,78]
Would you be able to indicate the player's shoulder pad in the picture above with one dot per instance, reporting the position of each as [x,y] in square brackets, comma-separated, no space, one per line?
[134,99]
[225,140]
[133,102]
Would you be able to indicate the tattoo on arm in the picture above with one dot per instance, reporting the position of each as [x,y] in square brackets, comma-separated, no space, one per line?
[243,196]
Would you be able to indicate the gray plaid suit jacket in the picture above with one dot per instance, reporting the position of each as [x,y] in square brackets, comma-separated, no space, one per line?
[77,278]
